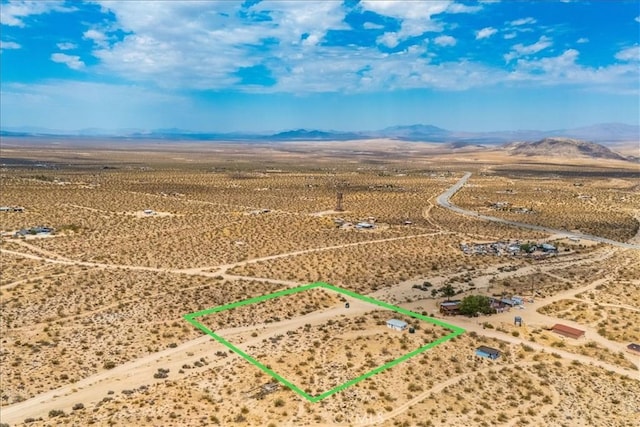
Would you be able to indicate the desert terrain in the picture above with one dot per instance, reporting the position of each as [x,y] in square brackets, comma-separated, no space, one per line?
[145,232]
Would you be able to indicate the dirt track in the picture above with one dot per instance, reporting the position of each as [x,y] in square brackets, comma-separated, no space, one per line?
[140,372]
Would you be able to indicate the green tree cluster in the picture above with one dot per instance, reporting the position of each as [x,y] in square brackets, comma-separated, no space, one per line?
[473,305]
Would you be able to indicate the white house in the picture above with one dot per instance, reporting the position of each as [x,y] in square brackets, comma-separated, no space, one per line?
[396,324]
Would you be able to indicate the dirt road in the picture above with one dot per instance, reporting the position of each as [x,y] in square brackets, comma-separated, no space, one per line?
[444,201]
[140,372]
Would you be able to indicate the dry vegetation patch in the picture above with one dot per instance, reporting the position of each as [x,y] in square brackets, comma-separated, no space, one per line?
[577,311]
[613,322]
[537,284]
[59,329]
[321,357]
[368,267]
[272,310]
[590,397]
[224,391]
[588,205]
[17,269]
[201,218]
[542,335]
[62,323]
[622,292]
[478,228]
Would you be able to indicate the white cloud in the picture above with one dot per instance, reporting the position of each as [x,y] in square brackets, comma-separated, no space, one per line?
[96,36]
[510,36]
[523,21]
[629,54]
[462,8]
[202,45]
[519,49]
[582,40]
[389,39]
[415,17]
[71,61]
[14,13]
[564,70]
[445,41]
[67,46]
[485,33]
[372,26]
[9,45]
[637,19]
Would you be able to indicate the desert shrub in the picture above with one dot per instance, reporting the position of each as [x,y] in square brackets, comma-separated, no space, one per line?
[56,413]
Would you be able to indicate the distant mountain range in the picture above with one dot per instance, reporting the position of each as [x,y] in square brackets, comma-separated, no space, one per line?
[600,133]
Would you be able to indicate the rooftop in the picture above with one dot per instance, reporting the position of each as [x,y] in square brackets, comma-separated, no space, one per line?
[397,323]
[567,330]
[634,347]
[488,350]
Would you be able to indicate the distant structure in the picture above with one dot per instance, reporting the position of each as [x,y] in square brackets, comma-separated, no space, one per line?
[364,226]
[450,308]
[11,209]
[396,324]
[339,207]
[487,352]
[567,331]
[38,230]
[518,321]
[634,348]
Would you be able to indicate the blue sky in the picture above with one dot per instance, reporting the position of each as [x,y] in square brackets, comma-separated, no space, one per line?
[343,65]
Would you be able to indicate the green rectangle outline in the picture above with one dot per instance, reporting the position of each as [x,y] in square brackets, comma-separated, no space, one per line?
[191,318]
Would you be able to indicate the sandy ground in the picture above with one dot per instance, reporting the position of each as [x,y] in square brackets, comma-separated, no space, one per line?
[130,375]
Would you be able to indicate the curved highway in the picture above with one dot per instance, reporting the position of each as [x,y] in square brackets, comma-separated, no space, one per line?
[443,200]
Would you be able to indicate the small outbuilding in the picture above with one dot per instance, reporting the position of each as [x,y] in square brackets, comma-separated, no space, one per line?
[396,324]
[487,352]
[511,302]
[364,225]
[634,348]
[450,308]
[11,209]
[567,331]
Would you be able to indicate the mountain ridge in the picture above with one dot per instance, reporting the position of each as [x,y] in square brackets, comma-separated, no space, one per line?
[599,133]
[563,147]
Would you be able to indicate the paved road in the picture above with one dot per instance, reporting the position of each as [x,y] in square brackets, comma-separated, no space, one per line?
[443,200]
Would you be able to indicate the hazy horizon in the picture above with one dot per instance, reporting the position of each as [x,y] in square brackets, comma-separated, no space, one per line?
[107,131]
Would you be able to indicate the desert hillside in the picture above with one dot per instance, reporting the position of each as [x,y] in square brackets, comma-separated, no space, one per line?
[563,147]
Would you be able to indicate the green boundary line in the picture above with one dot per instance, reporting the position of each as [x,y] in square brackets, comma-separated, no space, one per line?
[191,318]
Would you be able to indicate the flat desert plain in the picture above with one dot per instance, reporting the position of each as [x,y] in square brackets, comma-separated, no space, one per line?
[107,244]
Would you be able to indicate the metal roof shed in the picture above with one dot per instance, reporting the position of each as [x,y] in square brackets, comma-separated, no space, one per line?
[396,324]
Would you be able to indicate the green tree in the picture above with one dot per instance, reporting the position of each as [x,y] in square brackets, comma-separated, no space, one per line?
[472,305]
[448,291]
